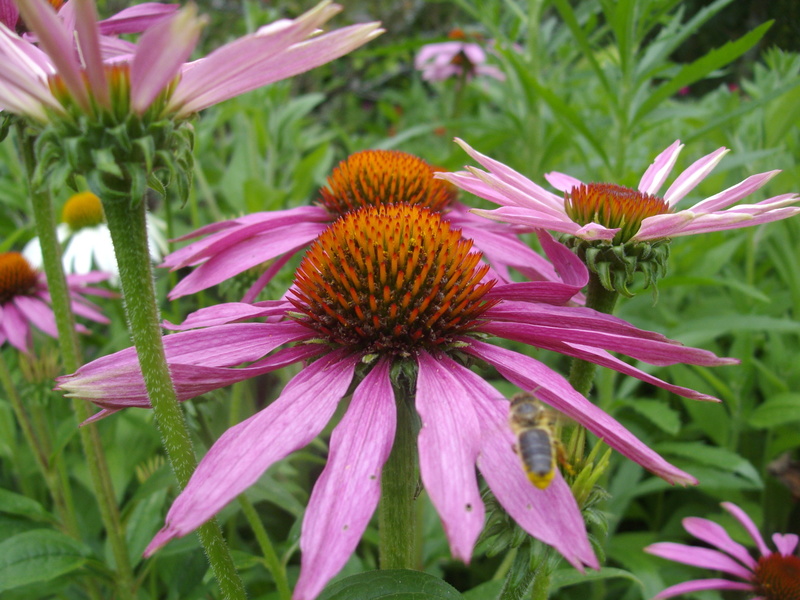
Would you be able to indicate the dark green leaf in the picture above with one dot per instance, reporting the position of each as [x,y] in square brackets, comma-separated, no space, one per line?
[38,555]
[390,585]
[781,409]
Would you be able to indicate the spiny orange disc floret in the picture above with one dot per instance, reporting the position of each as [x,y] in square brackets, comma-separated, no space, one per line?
[777,577]
[377,177]
[17,278]
[613,206]
[83,209]
[391,279]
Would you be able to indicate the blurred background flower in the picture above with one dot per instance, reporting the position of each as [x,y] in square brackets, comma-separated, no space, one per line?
[458,58]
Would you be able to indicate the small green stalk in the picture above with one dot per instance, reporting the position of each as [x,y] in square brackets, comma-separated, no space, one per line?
[581,374]
[71,357]
[271,559]
[126,222]
[397,513]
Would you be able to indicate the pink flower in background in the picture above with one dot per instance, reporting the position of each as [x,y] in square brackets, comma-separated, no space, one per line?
[25,301]
[771,576]
[614,213]
[454,59]
[383,287]
[365,178]
[58,79]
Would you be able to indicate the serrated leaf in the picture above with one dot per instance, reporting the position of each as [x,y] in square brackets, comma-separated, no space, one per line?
[778,410]
[38,555]
[391,585]
[567,577]
[17,504]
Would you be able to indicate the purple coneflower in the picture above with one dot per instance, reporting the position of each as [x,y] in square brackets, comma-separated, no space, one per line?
[382,292]
[366,178]
[156,80]
[456,58]
[772,576]
[25,301]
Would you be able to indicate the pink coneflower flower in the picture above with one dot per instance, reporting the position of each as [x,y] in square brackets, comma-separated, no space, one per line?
[614,213]
[366,178]
[772,576]
[25,301]
[384,290]
[456,58]
[60,80]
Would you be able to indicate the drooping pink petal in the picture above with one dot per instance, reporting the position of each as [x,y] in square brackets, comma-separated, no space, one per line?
[347,492]
[785,542]
[531,375]
[749,526]
[242,454]
[551,515]
[699,585]
[714,534]
[449,442]
[15,327]
[89,45]
[562,182]
[532,219]
[161,52]
[699,557]
[657,173]
[136,19]
[38,313]
[254,290]
[58,44]
[229,312]
[689,179]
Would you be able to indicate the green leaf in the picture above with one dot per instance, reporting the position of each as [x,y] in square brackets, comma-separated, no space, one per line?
[17,504]
[659,413]
[39,555]
[566,577]
[720,459]
[781,409]
[697,70]
[390,585]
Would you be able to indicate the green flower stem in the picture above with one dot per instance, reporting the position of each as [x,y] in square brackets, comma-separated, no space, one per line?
[581,374]
[126,222]
[524,579]
[71,358]
[397,514]
[271,559]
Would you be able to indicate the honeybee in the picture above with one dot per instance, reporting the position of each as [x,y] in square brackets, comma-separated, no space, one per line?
[538,448]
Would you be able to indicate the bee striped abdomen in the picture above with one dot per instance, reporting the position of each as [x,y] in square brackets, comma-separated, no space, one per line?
[535,447]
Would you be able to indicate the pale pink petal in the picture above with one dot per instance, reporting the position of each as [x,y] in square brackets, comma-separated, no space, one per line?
[449,442]
[347,492]
[733,194]
[689,179]
[299,58]
[530,197]
[785,543]
[229,312]
[657,173]
[242,454]
[162,50]
[22,94]
[562,182]
[699,585]
[531,375]
[58,43]
[714,534]
[89,45]
[474,53]
[15,327]
[699,557]
[436,53]
[551,515]
[531,219]
[136,18]
[467,181]
[38,313]
[734,218]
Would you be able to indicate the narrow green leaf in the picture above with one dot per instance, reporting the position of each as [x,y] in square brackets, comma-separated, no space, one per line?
[38,555]
[17,504]
[566,577]
[700,68]
[659,413]
[781,409]
[390,585]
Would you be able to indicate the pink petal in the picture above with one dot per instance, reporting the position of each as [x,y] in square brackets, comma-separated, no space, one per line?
[551,515]
[734,193]
[529,374]
[698,585]
[89,45]
[242,454]
[229,312]
[749,526]
[530,219]
[785,543]
[347,491]
[449,442]
[657,173]
[714,534]
[136,18]
[562,182]
[161,52]
[15,327]
[8,13]
[699,557]
[254,290]
[38,313]
[689,179]
[58,44]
